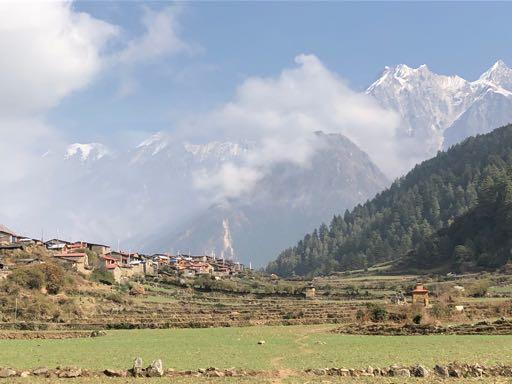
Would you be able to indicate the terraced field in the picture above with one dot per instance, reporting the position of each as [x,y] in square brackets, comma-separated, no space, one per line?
[149,313]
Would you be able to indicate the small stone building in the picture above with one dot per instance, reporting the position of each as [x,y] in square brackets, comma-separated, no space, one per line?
[100,249]
[77,260]
[420,295]
[310,292]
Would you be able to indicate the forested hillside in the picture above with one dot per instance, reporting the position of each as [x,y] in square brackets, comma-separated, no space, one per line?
[481,237]
[399,219]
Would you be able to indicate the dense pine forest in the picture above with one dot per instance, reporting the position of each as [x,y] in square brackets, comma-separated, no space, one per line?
[481,238]
[455,187]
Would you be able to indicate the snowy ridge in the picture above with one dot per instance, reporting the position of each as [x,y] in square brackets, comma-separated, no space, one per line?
[431,104]
[219,150]
[86,152]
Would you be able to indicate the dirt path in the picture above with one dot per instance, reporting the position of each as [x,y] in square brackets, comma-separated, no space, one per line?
[303,348]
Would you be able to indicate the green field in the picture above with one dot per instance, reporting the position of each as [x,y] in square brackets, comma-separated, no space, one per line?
[296,348]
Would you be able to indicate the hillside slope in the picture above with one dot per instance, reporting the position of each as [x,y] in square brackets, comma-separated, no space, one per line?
[481,238]
[427,199]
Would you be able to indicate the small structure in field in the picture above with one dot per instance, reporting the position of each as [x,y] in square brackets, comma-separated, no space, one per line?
[420,295]
[310,292]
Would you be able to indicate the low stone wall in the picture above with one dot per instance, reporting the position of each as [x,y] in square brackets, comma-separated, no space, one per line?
[498,327]
[28,335]
[155,369]
[452,370]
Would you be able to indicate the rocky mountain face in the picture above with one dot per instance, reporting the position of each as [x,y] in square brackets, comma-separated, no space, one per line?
[283,206]
[438,111]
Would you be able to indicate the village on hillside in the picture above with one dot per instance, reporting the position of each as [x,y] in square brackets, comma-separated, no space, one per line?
[121,265]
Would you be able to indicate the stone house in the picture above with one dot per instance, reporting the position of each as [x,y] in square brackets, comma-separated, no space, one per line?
[77,261]
[100,249]
[72,247]
[56,244]
[7,236]
[124,258]
[108,262]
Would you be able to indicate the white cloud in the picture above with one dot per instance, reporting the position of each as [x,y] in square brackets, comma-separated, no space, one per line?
[280,114]
[160,39]
[230,180]
[48,51]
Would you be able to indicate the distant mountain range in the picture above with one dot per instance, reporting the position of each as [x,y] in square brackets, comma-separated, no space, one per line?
[147,198]
[438,111]
[156,180]
[286,203]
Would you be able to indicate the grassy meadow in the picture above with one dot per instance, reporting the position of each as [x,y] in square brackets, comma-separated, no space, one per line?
[293,347]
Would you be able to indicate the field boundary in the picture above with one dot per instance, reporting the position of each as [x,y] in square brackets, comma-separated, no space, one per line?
[155,369]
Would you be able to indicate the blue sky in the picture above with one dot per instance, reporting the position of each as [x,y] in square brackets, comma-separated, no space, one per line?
[235,40]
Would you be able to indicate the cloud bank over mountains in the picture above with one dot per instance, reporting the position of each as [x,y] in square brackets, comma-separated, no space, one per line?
[279,116]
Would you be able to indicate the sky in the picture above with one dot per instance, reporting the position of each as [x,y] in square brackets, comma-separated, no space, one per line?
[227,42]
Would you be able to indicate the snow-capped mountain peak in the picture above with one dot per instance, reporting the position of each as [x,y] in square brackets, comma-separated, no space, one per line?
[155,143]
[433,107]
[499,74]
[86,152]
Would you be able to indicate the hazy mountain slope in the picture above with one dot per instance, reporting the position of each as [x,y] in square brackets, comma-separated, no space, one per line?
[493,108]
[284,205]
[387,227]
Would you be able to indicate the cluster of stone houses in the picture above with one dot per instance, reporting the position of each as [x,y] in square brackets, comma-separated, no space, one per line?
[190,266]
[123,265]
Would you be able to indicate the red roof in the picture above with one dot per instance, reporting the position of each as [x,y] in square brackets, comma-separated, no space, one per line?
[76,245]
[419,289]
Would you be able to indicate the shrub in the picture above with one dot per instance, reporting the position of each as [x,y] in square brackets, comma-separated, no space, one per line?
[115,297]
[102,276]
[137,289]
[479,288]
[28,277]
[54,276]
[440,311]
[377,313]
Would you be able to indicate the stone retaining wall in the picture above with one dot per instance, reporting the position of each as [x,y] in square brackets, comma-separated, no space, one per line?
[27,335]
[498,327]
[155,369]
